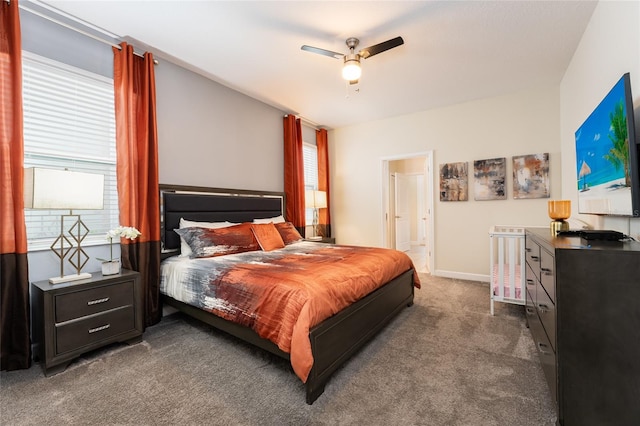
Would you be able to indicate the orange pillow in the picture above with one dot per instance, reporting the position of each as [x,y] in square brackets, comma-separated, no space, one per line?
[288,232]
[268,236]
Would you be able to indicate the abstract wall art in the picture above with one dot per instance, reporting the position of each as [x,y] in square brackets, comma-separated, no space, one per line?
[454,182]
[531,176]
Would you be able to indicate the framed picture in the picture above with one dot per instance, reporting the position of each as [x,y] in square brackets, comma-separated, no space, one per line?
[531,176]
[454,182]
[490,179]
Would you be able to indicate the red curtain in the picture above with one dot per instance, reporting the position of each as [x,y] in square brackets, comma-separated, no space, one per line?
[15,344]
[294,172]
[324,217]
[137,170]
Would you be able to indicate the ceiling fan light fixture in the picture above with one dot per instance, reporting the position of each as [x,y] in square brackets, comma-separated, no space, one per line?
[351,70]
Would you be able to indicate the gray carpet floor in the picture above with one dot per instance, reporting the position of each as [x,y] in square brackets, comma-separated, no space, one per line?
[443,361]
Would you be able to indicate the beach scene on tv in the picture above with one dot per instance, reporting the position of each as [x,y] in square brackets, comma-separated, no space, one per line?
[602,158]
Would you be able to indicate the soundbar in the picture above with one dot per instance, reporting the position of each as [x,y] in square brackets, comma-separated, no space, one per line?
[594,235]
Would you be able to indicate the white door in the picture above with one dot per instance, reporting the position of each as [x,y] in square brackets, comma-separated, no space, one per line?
[423,215]
[403,224]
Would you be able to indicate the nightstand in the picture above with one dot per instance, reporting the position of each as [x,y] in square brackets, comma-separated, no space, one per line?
[326,240]
[69,319]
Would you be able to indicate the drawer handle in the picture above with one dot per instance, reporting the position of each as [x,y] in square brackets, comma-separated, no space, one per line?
[97,301]
[528,250]
[535,258]
[547,271]
[544,348]
[543,307]
[102,327]
[529,311]
[529,282]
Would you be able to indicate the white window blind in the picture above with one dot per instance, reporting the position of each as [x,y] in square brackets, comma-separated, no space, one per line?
[310,160]
[69,122]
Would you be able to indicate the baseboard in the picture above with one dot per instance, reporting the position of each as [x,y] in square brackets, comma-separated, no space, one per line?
[461,275]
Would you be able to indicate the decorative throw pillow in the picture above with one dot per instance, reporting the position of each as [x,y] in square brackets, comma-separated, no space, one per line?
[205,242]
[288,232]
[185,250]
[268,236]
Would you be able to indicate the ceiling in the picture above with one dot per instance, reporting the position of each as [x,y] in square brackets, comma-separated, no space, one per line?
[454,51]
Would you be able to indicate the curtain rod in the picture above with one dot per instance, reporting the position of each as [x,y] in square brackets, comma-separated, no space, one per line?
[305,121]
[78,30]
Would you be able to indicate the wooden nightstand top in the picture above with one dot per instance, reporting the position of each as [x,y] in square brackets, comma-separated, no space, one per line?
[326,240]
[96,277]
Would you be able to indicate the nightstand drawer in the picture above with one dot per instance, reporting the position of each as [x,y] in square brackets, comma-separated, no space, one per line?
[87,302]
[76,334]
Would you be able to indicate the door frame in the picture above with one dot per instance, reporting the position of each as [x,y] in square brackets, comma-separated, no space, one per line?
[428,198]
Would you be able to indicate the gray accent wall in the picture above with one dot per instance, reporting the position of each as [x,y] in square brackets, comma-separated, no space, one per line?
[211,135]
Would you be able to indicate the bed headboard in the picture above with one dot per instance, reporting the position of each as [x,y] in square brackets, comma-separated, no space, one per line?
[212,205]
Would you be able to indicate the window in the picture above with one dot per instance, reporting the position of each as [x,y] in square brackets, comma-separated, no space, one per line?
[310,159]
[69,122]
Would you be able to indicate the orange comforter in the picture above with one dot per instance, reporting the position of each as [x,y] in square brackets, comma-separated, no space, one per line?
[282,294]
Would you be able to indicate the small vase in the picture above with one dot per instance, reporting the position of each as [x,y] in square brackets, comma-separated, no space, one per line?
[111,267]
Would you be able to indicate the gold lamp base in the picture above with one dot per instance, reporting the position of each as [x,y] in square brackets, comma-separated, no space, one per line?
[558,225]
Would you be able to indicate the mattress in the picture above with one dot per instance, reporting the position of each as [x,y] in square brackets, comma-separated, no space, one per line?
[282,294]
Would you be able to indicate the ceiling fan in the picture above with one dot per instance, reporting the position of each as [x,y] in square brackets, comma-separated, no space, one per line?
[351,70]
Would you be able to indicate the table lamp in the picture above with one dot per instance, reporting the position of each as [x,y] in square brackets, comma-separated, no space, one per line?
[559,210]
[315,200]
[51,189]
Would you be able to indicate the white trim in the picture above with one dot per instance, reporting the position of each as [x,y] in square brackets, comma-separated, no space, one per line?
[461,275]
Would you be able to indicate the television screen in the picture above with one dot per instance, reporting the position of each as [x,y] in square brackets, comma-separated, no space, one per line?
[607,156]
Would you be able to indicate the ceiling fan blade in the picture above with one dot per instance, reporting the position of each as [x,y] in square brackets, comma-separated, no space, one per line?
[322,51]
[367,52]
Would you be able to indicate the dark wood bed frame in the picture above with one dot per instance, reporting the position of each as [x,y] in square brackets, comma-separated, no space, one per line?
[334,340]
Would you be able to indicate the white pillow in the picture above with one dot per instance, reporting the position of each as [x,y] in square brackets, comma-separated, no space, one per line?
[185,250]
[277,219]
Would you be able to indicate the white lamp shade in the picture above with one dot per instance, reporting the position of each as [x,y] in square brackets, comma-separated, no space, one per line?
[315,199]
[62,189]
[351,70]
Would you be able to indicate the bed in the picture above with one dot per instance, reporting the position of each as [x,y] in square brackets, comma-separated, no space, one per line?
[331,341]
[507,265]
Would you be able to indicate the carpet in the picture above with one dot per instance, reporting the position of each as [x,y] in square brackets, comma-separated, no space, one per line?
[443,361]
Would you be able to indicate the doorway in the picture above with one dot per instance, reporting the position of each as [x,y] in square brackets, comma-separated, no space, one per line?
[408,207]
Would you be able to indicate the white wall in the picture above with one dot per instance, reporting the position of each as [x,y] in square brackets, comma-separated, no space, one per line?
[609,48]
[523,123]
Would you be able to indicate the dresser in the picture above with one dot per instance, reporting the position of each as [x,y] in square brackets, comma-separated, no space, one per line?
[69,319]
[583,310]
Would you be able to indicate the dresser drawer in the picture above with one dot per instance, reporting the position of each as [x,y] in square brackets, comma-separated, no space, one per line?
[548,361]
[78,304]
[547,313]
[531,282]
[530,310]
[545,352]
[97,328]
[547,274]
[532,253]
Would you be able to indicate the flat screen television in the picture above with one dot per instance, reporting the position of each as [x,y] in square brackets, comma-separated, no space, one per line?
[607,157]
